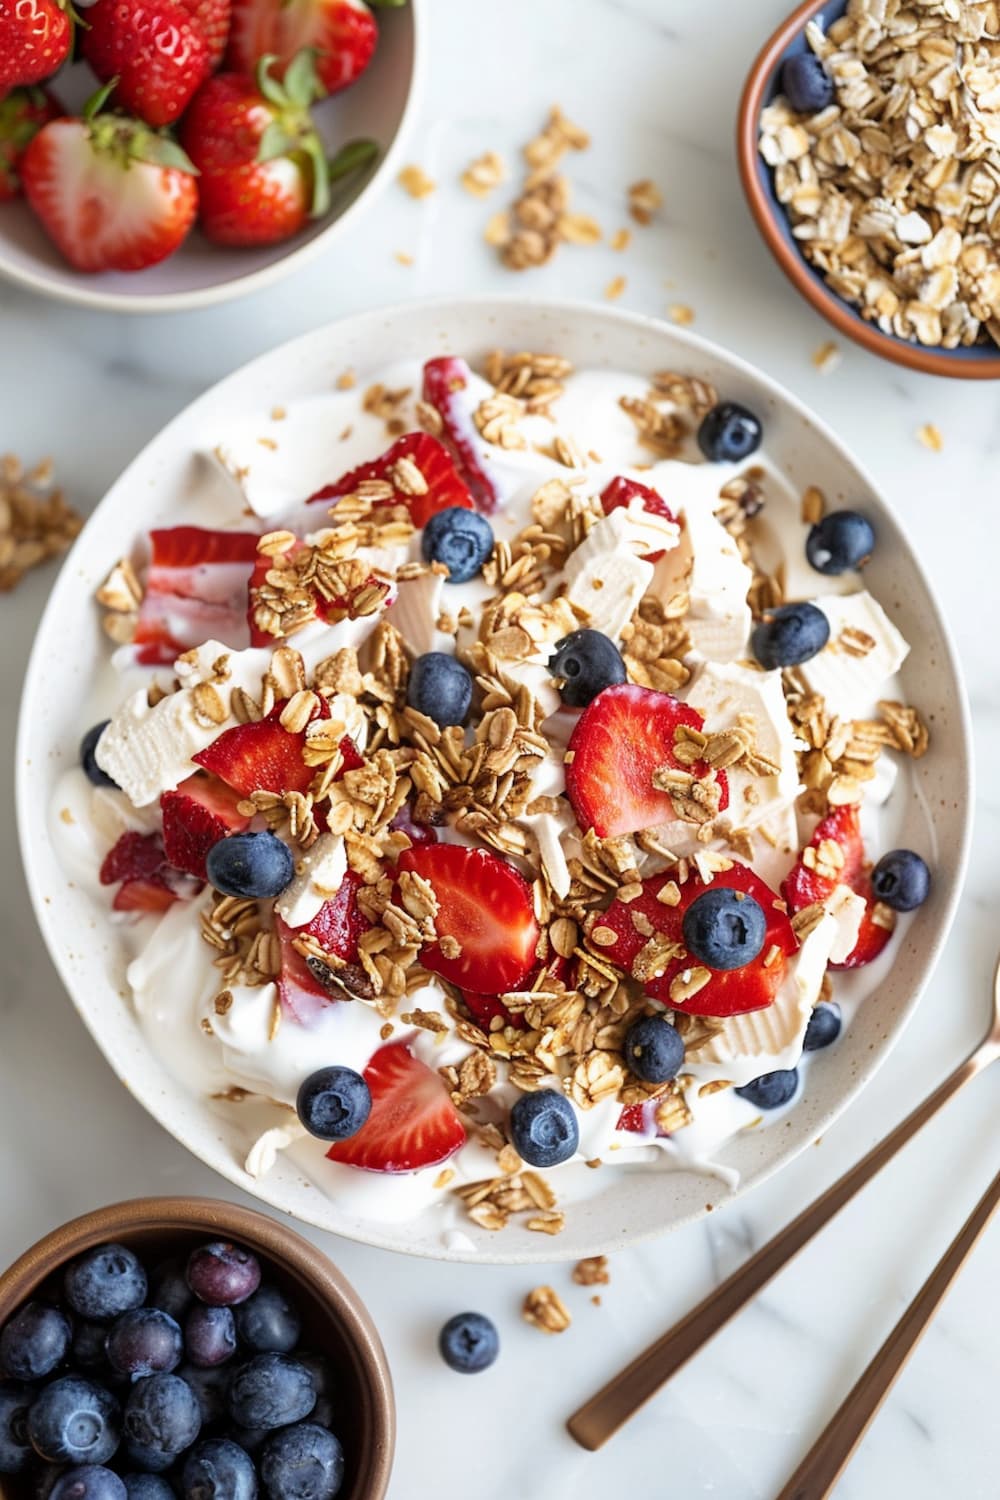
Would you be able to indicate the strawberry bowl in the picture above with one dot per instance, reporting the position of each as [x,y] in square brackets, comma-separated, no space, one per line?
[377,109]
[494,968]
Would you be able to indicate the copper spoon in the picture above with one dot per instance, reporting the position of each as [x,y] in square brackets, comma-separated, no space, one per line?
[828,1457]
[600,1417]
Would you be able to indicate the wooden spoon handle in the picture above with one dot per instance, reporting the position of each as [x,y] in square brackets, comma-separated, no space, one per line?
[828,1457]
[623,1395]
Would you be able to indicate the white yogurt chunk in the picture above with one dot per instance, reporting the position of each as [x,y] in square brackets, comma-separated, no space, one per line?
[864,651]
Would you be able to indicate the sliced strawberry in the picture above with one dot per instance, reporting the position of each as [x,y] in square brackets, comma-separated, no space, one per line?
[444,380]
[337,928]
[135,856]
[729,992]
[197,814]
[486,906]
[149,893]
[804,886]
[413,1122]
[195,591]
[446,488]
[621,492]
[266,757]
[623,736]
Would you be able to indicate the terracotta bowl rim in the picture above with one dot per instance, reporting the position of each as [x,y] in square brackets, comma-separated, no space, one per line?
[765,213]
[275,1241]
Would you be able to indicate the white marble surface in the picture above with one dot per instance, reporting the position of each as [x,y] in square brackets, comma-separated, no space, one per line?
[656,81]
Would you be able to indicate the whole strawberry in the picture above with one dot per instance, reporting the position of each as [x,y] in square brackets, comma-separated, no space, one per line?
[211,18]
[35,40]
[262,172]
[153,49]
[22,114]
[343,33]
[111,193]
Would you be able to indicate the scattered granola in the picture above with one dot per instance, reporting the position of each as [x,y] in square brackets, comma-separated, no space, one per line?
[415,181]
[930,437]
[593,1271]
[544,1309]
[644,199]
[36,522]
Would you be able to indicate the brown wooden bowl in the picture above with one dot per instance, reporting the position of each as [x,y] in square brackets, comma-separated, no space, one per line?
[334,1320]
[979,362]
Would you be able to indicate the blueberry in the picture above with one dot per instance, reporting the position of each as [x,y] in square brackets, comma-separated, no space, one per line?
[162,1418]
[901,880]
[440,687]
[88,1482]
[148,1487]
[806,84]
[168,1289]
[258,865]
[209,1385]
[587,662]
[302,1463]
[108,1280]
[461,539]
[74,1421]
[543,1128]
[840,541]
[87,759]
[34,1342]
[267,1321]
[771,1090]
[469,1342]
[723,928]
[209,1335]
[218,1470]
[143,1342]
[653,1049]
[270,1391]
[319,1367]
[87,1349]
[790,635]
[824,1027]
[729,433]
[222,1274]
[333,1103]
[16,1451]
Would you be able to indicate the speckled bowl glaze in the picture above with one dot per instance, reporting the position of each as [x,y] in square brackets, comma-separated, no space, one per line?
[382,106]
[169,484]
[980,362]
[337,1321]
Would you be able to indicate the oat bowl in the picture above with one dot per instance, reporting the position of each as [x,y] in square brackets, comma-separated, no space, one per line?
[478,858]
[867,144]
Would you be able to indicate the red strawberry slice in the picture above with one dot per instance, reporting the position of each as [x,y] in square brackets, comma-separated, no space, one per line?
[337,928]
[413,1122]
[729,992]
[445,486]
[486,906]
[803,886]
[197,814]
[444,380]
[266,757]
[620,739]
[621,492]
[135,856]
[150,894]
[195,591]
[641,1119]
[343,32]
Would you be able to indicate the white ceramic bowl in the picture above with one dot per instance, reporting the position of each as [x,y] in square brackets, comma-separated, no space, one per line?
[167,484]
[382,106]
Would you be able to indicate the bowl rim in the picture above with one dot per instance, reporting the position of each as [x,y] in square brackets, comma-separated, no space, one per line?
[793,264]
[215,295]
[960,728]
[276,1242]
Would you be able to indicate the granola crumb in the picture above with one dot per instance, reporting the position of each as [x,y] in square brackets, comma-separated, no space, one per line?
[614,288]
[36,523]
[930,437]
[415,181]
[827,357]
[644,199]
[483,175]
[544,1309]
[596,1299]
[621,239]
[681,314]
[346,381]
[592,1271]
[403,258]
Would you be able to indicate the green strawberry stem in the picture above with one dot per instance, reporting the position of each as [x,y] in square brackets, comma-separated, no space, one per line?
[351,157]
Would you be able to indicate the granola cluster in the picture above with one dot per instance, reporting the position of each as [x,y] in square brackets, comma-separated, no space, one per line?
[892,189]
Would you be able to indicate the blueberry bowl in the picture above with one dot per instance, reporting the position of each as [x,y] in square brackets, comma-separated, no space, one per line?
[335,1327]
[980,361]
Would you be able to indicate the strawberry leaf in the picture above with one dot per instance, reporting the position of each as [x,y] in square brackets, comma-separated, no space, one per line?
[97,101]
[351,157]
[163,151]
[276,141]
[268,86]
[302,83]
[311,145]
